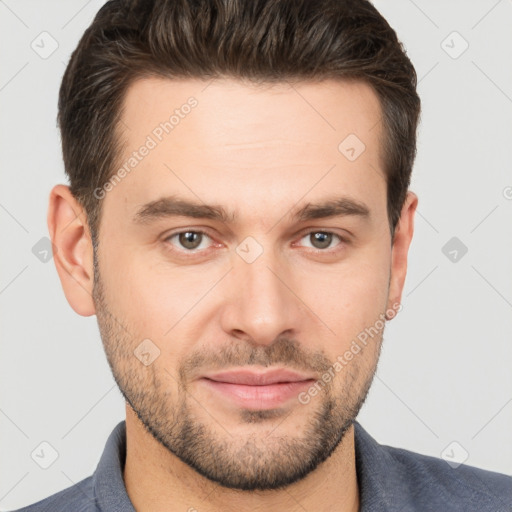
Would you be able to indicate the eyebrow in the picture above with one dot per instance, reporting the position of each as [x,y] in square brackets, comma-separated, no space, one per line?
[172,206]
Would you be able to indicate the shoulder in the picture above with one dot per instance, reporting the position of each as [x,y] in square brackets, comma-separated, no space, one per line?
[400,479]
[455,488]
[78,498]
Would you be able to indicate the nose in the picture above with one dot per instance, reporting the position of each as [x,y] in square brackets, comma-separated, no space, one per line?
[261,304]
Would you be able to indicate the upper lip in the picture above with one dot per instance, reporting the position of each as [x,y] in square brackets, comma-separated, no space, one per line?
[254,378]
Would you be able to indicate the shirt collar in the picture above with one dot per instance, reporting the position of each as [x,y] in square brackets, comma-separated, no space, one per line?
[382,481]
[109,489]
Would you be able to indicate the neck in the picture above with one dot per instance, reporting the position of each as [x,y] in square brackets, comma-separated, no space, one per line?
[157,481]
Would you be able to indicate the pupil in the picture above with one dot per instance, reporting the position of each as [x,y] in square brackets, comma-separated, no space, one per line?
[321,240]
[190,240]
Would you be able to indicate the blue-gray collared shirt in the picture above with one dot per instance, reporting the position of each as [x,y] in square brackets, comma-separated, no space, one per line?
[390,480]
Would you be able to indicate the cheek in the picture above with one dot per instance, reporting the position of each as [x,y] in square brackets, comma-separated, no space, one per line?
[162,303]
[350,297]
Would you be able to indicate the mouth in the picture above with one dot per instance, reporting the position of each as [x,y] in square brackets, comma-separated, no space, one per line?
[257,390]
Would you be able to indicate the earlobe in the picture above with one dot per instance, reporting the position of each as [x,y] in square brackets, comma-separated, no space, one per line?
[402,240]
[69,232]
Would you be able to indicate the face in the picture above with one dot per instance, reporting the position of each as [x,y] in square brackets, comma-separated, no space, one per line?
[246,239]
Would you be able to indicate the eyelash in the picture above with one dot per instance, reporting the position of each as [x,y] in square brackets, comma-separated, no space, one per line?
[204,233]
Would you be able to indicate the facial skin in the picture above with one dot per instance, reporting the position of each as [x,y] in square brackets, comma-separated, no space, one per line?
[262,154]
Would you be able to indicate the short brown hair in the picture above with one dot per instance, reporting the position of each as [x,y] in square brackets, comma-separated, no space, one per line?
[258,40]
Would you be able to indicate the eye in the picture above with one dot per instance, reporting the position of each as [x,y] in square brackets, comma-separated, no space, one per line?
[189,240]
[321,240]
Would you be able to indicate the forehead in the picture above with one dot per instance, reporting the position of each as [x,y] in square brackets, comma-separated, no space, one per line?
[248,144]
[311,109]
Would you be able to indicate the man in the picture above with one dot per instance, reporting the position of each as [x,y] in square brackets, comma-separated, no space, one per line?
[239,220]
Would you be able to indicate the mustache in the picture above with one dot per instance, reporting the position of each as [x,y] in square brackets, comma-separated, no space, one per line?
[284,351]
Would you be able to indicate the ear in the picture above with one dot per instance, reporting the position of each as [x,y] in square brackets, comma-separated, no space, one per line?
[69,232]
[401,242]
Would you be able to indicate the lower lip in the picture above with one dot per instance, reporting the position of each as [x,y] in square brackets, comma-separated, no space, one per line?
[259,397]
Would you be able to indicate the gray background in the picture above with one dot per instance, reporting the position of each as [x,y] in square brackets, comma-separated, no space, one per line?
[444,384]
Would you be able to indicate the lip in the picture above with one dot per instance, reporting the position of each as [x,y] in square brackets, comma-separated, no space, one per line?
[257,390]
[254,378]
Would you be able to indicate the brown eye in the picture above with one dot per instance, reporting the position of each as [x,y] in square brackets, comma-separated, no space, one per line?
[320,239]
[190,239]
